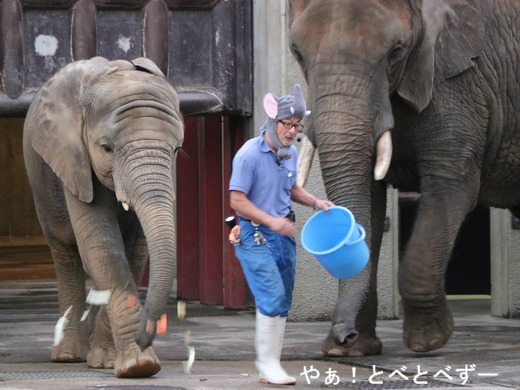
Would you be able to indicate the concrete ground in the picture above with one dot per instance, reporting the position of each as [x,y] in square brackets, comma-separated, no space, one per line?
[484,351]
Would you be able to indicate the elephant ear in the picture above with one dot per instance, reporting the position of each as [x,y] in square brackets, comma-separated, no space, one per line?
[453,34]
[54,122]
[147,65]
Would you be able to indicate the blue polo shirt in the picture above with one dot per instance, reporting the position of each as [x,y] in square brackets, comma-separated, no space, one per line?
[266,180]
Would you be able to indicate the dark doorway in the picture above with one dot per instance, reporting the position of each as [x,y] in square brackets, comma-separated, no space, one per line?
[468,272]
[23,251]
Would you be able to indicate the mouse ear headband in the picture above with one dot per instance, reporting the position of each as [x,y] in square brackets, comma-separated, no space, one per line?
[282,108]
[286,106]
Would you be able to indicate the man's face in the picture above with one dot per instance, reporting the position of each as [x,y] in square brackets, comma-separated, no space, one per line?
[287,129]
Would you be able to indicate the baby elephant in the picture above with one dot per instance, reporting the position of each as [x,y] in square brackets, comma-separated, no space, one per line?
[100,141]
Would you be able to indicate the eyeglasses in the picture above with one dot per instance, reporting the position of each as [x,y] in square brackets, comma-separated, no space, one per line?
[289,125]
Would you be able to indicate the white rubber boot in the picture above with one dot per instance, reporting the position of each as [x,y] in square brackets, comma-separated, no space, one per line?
[269,334]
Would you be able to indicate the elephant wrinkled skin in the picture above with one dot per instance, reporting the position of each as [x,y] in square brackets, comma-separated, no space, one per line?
[441,76]
[100,141]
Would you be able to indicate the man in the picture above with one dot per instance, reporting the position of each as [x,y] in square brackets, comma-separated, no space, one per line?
[262,186]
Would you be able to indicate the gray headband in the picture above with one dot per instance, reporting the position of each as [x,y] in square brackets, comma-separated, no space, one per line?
[282,108]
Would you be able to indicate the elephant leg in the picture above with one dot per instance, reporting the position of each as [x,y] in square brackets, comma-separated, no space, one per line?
[103,254]
[70,276]
[361,341]
[113,341]
[343,340]
[137,255]
[130,360]
[428,322]
[102,353]
[71,294]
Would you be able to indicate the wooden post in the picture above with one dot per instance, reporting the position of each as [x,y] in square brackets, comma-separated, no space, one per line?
[188,211]
[211,213]
[234,280]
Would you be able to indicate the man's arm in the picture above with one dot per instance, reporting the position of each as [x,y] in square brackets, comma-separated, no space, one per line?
[301,196]
[248,209]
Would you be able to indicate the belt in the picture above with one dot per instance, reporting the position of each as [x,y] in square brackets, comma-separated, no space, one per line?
[291,216]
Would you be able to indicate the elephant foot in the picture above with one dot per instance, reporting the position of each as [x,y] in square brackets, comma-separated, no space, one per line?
[426,328]
[102,350]
[69,350]
[361,345]
[101,358]
[131,362]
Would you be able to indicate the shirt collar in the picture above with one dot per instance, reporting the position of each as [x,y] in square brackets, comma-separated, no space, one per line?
[264,146]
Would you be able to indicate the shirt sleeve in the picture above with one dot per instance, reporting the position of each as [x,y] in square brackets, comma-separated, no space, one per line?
[242,175]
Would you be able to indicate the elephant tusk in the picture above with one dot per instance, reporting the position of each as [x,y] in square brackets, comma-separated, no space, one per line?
[125,206]
[384,155]
[305,160]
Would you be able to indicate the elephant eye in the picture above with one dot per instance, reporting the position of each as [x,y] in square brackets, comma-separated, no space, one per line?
[395,54]
[107,148]
[297,54]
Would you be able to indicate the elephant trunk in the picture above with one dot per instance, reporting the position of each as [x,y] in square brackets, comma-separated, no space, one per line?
[344,148]
[345,162]
[158,225]
[346,125]
[149,191]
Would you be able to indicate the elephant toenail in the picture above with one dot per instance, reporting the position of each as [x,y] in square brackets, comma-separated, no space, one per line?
[418,348]
[334,352]
[435,344]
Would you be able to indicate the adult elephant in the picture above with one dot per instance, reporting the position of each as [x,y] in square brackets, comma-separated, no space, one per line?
[100,141]
[442,77]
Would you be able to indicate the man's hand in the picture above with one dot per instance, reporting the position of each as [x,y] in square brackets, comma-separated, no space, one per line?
[324,205]
[234,235]
[283,226]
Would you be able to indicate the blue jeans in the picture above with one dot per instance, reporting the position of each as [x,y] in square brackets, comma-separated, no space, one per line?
[269,268]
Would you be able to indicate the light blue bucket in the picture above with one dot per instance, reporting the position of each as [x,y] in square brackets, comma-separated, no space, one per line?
[337,241]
